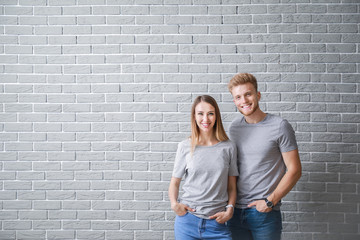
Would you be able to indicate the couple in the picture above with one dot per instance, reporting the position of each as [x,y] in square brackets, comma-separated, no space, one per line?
[233,189]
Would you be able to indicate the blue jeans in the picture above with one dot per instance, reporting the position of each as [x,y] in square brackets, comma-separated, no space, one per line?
[190,227]
[249,224]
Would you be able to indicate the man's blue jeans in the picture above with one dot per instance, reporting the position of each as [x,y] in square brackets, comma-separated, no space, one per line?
[190,227]
[249,224]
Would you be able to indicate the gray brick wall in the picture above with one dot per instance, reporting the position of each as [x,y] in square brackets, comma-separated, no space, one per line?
[95,95]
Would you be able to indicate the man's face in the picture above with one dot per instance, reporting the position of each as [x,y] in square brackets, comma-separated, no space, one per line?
[246,98]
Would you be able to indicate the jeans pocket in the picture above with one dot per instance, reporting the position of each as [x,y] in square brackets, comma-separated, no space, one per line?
[183,215]
[218,225]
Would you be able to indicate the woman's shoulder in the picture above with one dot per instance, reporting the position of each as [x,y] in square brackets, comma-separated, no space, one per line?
[185,141]
[184,144]
[228,144]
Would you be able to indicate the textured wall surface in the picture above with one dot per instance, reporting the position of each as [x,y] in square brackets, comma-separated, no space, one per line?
[95,95]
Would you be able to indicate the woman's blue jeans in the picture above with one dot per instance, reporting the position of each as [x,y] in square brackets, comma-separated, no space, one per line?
[190,227]
[249,224]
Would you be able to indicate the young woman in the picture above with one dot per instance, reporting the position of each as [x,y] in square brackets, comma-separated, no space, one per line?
[207,161]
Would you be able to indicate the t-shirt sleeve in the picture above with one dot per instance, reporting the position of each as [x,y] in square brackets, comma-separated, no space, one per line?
[287,139]
[180,162]
[233,168]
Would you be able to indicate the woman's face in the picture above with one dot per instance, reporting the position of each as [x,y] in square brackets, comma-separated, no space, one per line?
[205,117]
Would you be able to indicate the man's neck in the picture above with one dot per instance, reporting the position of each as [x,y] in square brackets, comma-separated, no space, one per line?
[256,117]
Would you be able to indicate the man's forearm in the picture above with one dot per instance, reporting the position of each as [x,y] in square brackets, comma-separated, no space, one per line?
[293,174]
[284,187]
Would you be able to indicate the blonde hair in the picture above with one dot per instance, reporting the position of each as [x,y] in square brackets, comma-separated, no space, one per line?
[242,78]
[219,131]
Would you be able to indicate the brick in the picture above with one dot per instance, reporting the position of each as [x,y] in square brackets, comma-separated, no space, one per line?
[341,68]
[78,30]
[120,195]
[129,127]
[344,228]
[31,176]
[343,48]
[147,176]
[326,137]
[321,58]
[343,188]
[281,28]
[76,69]
[349,148]
[119,136]
[327,117]
[98,185]
[350,118]
[53,234]
[76,224]
[100,225]
[17,225]
[331,107]
[8,137]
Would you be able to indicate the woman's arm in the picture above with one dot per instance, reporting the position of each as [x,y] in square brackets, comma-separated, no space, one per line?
[179,208]
[222,217]
[232,190]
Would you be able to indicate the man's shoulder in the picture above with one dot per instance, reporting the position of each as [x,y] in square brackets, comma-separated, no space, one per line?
[237,120]
[280,123]
[276,119]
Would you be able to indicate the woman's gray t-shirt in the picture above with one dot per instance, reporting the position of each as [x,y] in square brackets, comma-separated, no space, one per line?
[205,175]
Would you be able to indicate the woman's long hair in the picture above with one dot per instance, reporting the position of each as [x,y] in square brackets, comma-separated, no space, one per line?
[219,131]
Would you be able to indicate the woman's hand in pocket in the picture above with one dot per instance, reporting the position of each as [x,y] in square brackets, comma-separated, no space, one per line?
[223,217]
[181,209]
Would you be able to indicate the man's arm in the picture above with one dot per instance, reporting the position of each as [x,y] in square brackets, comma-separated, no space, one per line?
[293,174]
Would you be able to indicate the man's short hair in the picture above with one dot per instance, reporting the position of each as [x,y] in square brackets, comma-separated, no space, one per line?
[242,78]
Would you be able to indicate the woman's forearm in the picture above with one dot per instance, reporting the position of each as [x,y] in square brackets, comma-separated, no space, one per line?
[232,190]
[174,190]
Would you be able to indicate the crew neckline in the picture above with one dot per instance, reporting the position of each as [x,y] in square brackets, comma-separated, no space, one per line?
[265,118]
[210,145]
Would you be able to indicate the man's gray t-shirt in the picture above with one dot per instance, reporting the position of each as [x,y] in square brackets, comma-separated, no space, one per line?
[205,175]
[259,148]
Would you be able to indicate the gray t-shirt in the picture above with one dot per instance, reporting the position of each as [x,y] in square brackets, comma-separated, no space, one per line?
[205,175]
[259,146]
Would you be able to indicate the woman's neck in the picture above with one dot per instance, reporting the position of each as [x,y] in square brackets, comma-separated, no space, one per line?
[207,139]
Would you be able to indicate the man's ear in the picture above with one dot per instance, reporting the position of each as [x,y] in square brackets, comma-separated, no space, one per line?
[258,95]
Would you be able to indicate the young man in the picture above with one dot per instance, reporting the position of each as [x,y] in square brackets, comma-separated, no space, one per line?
[268,162]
